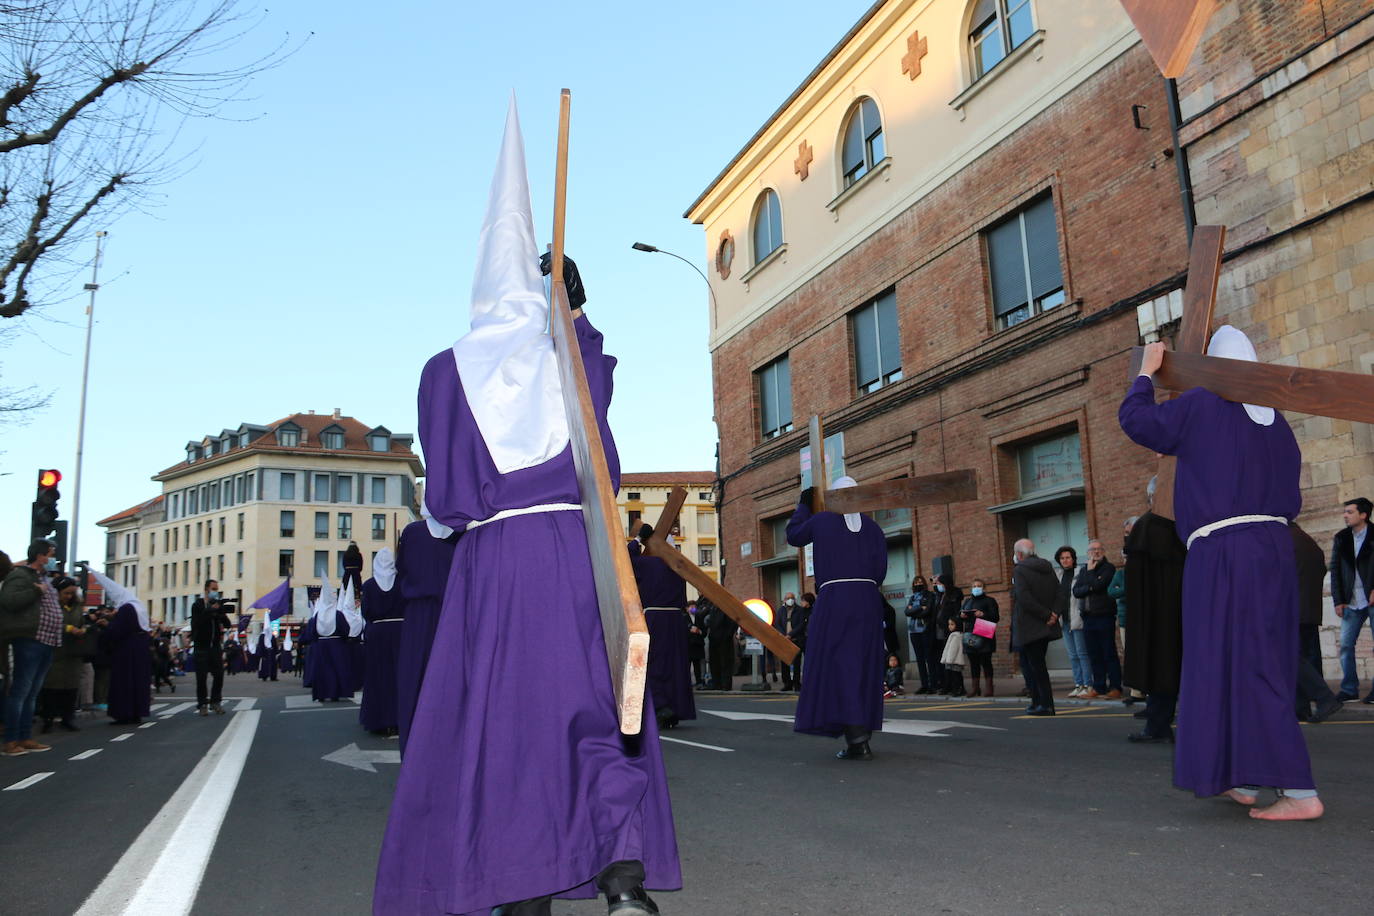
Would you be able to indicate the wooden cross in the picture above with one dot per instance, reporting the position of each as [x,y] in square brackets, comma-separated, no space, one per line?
[622,617]
[1170,29]
[904,492]
[1323,392]
[804,159]
[657,546]
[915,50]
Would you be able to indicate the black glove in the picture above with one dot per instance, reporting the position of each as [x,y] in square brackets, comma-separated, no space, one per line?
[645,532]
[577,295]
[808,498]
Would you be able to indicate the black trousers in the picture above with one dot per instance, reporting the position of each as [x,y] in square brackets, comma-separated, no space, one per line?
[923,655]
[1159,713]
[722,656]
[1038,673]
[209,663]
[979,663]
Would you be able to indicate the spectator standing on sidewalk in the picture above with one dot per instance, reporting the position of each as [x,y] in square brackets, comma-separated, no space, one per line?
[58,700]
[31,620]
[1312,686]
[920,616]
[209,621]
[1033,588]
[1099,622]
[1352,583]
[1066,606]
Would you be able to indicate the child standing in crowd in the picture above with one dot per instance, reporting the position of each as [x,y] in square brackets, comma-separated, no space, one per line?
[892,678]
[954,659]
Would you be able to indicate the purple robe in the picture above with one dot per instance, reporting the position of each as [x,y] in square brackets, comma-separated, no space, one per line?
[844,638]
[516,782]
[307,640]
[670,673]
[422,565]
[131,666]
[383,612]
[1240,635]
[333,675]
[267,660]
[233,656]
[285,661]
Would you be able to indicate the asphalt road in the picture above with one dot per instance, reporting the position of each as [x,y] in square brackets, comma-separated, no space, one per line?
[968,807]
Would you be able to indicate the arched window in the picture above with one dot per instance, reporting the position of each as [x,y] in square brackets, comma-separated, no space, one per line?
[767,225]
[995,29]
[863,141]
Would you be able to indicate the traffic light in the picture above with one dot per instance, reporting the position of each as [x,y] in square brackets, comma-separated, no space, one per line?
[59,537]
[45,504]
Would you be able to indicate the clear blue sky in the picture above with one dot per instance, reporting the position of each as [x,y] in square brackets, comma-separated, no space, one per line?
[316,256]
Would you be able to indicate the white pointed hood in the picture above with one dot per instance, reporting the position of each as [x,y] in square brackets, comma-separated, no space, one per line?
[1231,343]
[348,606]
[324,610]
[852,520]
[506,361]
[384,569]
[118,595]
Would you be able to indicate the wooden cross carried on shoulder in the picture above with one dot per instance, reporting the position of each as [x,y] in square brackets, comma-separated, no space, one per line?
[1323,392]
[901,493]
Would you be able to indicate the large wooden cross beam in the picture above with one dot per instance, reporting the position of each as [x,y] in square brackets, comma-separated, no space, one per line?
[622,617]
[1326,393]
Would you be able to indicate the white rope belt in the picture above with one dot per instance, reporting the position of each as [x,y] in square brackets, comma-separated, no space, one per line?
[1233,520]
[663,609]
[389,620]
[833,581]
[330,637]
[528,510]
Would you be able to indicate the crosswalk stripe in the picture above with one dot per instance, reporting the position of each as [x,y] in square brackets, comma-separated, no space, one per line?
[25,783]
[84,754]
[180,707]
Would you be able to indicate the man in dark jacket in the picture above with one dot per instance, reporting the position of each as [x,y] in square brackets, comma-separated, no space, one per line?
[1099,621]
[208,623]
[31,620]
[1154,624]
[720,647]
[1034,588]
[1352,583]
[1312,687]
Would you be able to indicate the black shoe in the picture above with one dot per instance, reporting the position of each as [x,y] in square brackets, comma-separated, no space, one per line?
[1369,700]
[1129,700]
[1325,710]
[635,901]
[1345,697]
[1140,714]
[1143,738]
[853,752]
[47,726]
[69,725]
[1041,711]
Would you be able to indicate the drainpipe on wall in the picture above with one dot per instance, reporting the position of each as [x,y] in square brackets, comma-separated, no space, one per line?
[1185,179]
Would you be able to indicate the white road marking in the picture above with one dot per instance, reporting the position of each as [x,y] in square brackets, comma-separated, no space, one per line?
[156,706]
[709,747]
[25,783]
[304,701]
[350,755]
[246,704]
[160,873]
[147,725]
[180,707]
[922,728]
[84,754]
[124,737]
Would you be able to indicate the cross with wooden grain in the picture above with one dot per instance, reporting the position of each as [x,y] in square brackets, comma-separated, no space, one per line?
[901,493]
[915,50]
[1323,392]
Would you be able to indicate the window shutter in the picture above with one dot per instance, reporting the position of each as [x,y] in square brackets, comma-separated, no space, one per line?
[852,153]
[768,406]
[1042,240]
[890,350]
[1008,270]
[784,391]
[866,345]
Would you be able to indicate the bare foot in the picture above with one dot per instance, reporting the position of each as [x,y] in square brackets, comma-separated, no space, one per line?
[1290,809]
[1239,798]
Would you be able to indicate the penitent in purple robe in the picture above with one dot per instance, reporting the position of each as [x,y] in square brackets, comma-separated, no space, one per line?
[267,660]
[843,686]
[383,611]
[422,565]
[516,781]
[131,666]
[333,675]
[1240,631]
[307,641]
[663,595]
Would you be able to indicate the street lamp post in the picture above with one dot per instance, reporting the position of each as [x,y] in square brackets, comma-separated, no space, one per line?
[81,421]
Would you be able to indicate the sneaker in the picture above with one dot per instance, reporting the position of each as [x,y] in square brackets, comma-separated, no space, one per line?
[202,711]
[1090,694]
[33,747]
[219,710]
[1076,692]
[12,749]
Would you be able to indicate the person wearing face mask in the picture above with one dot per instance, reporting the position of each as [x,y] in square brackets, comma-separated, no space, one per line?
[208,623]
[979,606]
[58,700]
[31,621]
[780,623]
[920,630]
[948,599]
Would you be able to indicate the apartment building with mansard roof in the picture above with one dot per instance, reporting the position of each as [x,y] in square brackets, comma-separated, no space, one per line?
[937,244]
[251,505]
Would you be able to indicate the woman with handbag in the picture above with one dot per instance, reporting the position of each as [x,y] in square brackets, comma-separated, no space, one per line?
[979,612]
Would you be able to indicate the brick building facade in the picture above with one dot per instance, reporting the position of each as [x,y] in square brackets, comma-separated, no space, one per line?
[1042,145]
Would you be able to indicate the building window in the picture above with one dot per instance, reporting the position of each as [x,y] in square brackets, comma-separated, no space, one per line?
[877,355]
[198,524]
[633,496]
[1023,255]
[996,28]
[289,435]
[238,564]
[286,486]
[213,501]
[321,564]
[332,438]
[238,489]
[863,141]
[164,575]
[706,556]
[704,496]
[321,488]
[775,397]
[219,567]
[767,225]
[174,575]
[288,523]
[343,489]
[221,529]
[379,489]
[379,442]
[207,569]
[706,522]
[1050,464]
[345,525]
[249,486]
[635,516]
[286,562]
[167,539]
[321,525]
[379,527]
[194,506]
[240,526]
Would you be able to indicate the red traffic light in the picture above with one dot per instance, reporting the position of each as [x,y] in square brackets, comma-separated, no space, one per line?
[49,478]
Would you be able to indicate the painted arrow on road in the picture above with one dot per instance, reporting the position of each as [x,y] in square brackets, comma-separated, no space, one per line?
[923,728]
[350,755]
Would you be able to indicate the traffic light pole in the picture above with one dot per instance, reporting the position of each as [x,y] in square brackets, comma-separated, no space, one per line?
[91,287]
